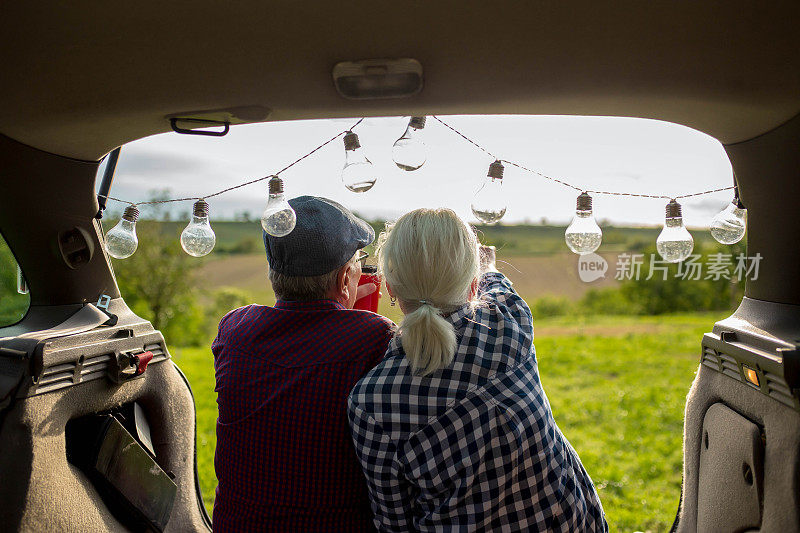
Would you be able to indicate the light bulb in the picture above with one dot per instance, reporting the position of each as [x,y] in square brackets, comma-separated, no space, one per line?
[728,225]
[675,243]
[408,151]
[583,235]
[279,218]
[357,173]
[121,240]
[489,205]
[198,239]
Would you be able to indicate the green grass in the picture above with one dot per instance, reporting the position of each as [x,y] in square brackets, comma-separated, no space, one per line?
[198,365]
[619,400]
[617,387]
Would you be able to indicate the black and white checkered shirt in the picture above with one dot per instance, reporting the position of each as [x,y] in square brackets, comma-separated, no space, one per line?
[472,447]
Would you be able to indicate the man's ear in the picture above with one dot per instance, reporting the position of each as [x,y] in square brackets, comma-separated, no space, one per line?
[344,280]
[341,283]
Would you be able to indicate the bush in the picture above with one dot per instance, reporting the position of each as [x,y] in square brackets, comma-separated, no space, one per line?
[224,300]
[158,283]
[658,296]
[547,306]
[607,302]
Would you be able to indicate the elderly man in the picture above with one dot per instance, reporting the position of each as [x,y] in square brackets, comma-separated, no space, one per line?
[284,458]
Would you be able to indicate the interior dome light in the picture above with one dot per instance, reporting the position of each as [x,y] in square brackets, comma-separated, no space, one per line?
[378,78]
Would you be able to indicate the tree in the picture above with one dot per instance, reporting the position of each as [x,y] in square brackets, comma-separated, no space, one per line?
[159,282]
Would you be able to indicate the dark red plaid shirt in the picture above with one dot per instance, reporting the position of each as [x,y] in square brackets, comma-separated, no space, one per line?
[285,459]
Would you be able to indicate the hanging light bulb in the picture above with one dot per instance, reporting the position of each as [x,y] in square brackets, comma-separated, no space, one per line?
[583,235]
[408,151]
[198,239]
[728,225]
[279,218]
[357,173]
[489,205]
[675,243]
[121,240]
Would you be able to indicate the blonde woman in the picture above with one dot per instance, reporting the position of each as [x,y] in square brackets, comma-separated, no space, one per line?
[453,429]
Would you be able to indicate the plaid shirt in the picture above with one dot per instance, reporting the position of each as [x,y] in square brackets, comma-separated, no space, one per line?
[284,458]
[472,447]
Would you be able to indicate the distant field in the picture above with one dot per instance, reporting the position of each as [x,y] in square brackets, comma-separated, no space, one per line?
[617,387]
[533,276]
[534,257]
[516,240]
[555,275]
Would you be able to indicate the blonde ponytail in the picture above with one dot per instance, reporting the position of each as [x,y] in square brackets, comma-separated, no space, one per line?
[430,259]
[428,340]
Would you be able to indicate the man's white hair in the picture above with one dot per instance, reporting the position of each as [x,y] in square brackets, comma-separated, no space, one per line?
[297,288]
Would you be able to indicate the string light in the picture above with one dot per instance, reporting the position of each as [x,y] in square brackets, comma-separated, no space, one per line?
[728,226]
[279,218]
[358,175]
[674,243]
[121,240]
[223,191]
[488,205]
[408,152]
[198,239]
[583,235]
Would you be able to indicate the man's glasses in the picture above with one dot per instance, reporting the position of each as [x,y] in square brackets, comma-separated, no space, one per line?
[362,256]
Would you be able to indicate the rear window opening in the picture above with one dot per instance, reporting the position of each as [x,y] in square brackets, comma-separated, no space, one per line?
[593,153]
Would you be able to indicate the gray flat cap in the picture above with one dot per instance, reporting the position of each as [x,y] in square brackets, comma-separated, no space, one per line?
[326,236]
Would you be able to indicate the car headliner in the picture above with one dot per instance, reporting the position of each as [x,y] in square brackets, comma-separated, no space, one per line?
[81,79]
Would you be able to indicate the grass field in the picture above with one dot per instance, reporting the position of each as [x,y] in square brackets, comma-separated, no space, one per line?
[617,387]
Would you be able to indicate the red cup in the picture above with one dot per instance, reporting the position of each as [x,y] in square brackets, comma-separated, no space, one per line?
[369,274]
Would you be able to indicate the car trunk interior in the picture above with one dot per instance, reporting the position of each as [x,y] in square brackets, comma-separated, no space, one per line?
[80,82]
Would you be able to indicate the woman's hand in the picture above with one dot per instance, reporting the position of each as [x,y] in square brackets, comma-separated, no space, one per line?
[365,290]
[488,259]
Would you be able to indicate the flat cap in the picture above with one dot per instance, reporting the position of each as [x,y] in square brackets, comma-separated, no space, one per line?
[325,237]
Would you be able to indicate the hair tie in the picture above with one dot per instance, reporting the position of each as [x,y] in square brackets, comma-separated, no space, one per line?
[424,302]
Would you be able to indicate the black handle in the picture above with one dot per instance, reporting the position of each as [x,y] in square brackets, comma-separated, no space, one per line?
[206,123]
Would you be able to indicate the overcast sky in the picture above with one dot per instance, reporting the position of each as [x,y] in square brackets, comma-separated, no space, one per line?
[617,154]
